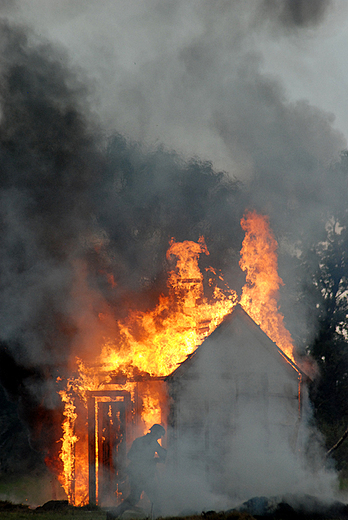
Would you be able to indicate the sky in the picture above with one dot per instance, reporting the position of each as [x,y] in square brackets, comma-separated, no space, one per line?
[159,70]
[315,68]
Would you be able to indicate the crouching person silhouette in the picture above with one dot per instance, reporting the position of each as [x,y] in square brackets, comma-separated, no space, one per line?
[144,455]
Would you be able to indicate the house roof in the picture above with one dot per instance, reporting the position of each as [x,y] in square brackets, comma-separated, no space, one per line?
[239,314]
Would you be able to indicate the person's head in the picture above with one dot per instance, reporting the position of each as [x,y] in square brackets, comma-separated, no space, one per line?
[157,430]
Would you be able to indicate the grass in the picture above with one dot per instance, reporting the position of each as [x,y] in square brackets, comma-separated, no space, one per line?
[76,514]
[101,515]
[31,515]
[32,489]
[12,512]
[20,512]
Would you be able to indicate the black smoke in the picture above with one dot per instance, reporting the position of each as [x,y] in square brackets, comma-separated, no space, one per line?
[296,13]
[74,202]
[48,161]
[80,205]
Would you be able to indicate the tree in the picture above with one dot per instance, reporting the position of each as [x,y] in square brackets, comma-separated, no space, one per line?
[329,291]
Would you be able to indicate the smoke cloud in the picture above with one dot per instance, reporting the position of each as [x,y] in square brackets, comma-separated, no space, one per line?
[298,13]
[122,125]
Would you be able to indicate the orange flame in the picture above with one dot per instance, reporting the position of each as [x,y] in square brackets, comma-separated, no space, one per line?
[260,261]
[154,342]
[154,400]
[177,325]
[69,440]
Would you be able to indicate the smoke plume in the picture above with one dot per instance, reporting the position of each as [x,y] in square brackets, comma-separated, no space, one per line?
[123,125]
[297,13]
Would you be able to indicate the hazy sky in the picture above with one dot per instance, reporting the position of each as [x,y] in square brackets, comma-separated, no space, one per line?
[159,70]
[315,67]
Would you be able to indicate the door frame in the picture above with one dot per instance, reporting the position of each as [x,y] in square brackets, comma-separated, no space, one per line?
[93,398]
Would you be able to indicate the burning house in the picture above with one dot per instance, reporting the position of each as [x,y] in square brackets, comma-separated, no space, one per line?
[111,402]
[237,393]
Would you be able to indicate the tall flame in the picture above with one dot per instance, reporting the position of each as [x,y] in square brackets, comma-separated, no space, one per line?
[69,440]
[158,340]
[154,342]
[260,261]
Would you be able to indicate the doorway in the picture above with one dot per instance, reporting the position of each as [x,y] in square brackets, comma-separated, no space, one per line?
[108,416]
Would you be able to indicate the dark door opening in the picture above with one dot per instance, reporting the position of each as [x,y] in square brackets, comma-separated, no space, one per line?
[107,425]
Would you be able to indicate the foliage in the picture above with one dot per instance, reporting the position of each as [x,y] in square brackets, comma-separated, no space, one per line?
[327,265]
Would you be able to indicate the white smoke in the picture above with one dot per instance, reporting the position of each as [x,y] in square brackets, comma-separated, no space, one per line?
[198,77]
[163,71]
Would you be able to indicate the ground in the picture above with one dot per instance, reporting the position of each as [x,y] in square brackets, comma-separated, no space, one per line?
[97,515]
[79,514]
